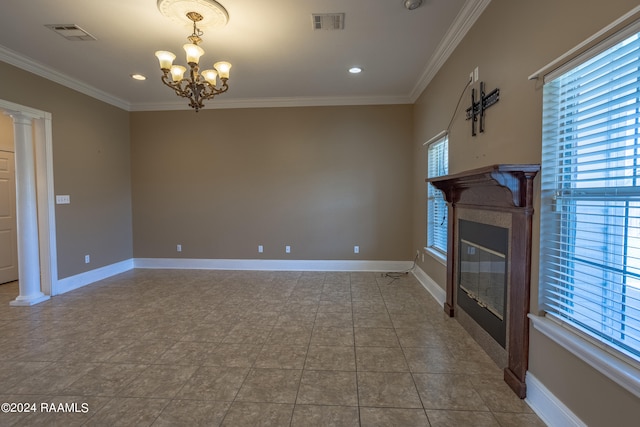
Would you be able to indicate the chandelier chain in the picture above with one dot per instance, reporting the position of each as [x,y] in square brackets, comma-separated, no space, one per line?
[196,36]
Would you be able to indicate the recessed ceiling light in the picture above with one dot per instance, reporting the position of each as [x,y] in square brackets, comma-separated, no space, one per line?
[138,77]
[355,70]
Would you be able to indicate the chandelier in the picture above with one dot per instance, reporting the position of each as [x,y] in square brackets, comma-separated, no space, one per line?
[197,86]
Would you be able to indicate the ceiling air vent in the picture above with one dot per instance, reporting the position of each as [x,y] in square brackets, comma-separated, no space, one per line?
[71,32]
[328,21]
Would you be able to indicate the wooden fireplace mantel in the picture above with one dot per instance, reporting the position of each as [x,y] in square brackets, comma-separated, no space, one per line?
[515,179]
[504,188]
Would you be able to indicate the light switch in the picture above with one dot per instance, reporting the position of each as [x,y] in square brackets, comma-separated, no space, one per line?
[63,199]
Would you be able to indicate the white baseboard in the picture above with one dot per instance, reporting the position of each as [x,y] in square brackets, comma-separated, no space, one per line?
[79,280]
[430,285]
[272,264]
[547,406]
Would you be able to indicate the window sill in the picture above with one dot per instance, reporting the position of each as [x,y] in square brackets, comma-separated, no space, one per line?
[623,373]
[438,256]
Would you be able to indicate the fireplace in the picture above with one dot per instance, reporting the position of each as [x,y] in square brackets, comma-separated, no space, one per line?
[482,275]
[489,260]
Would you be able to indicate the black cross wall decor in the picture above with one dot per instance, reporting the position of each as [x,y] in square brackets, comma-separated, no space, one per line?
[477,107]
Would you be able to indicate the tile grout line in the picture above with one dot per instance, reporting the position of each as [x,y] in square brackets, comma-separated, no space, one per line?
[355,354]
[244,380]
[304,363]
[424,410]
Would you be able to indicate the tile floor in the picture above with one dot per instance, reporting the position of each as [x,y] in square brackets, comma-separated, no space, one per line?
[237,348]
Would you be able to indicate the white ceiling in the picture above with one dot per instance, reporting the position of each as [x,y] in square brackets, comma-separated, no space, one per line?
[278,59]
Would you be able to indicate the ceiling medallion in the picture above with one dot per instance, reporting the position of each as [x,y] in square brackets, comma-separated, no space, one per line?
[213,14]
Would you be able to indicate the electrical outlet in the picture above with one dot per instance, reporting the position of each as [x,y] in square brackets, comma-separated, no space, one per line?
[476,74]
[287,249]
[87,259]
[356,249]
[178,248]
[260,249]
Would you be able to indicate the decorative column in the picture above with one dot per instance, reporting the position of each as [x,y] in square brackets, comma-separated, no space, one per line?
[27,213]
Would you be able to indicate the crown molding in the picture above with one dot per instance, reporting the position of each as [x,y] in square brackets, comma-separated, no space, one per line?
[25,63]
[181,104]
[467,16]
[465,19]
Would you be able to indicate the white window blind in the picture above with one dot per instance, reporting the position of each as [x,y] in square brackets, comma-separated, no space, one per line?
[438,165]
[590,212]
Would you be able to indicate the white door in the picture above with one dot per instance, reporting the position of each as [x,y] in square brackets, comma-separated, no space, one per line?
[8,235]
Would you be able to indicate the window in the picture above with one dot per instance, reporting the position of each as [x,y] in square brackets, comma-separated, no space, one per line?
[438,165]
[590,212]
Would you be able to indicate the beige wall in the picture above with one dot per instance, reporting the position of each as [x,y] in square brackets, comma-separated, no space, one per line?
[510,41]
[91,164]
[323,179]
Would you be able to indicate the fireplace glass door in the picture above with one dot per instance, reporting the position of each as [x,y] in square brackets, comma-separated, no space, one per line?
[482,275]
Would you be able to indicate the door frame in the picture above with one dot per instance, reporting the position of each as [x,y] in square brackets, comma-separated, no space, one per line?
[43,167]
[9,270]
